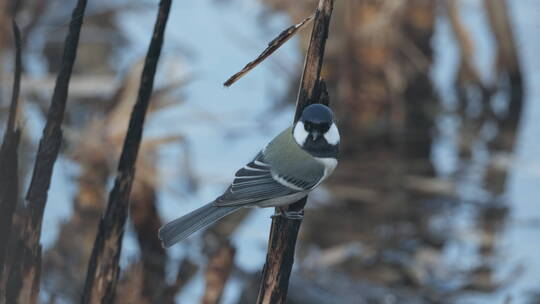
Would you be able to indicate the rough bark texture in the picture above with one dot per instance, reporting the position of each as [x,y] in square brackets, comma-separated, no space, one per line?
[284,232]
[9,162]
[103,268]
[279,259]
[24,277]
[49,145]
[310,86]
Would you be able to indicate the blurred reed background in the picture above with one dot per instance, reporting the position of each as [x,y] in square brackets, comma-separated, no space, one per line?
[435,199]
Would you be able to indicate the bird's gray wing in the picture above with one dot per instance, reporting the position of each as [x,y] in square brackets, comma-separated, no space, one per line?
[256,182]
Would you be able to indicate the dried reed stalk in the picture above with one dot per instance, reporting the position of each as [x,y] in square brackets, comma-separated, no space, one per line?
[9,161]
[24,276]
[284,232]
[103,268]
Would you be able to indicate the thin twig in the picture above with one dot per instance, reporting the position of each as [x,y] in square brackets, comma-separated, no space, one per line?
[23,282]
[273,45]
[103,268]
[284,232]
[9,179]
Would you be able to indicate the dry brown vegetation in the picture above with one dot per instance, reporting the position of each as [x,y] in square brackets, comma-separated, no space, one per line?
[376,240]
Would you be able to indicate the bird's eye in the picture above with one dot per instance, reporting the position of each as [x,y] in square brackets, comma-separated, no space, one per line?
[308,126]
[324,127]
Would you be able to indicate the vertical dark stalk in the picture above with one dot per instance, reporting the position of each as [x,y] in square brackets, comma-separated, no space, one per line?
[509,72]
[49,145]
[310,89]
[23,281]
[103,268]
[507,53]
[14,107]
[284,232]
[9,179]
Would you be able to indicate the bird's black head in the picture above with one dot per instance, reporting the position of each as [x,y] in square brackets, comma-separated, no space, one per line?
[316,132]
[317,116]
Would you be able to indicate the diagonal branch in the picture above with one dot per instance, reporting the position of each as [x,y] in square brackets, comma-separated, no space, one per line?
[284,232]
[103,268]
[273,45]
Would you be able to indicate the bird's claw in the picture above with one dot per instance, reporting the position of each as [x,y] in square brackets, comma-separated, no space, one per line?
[290,215]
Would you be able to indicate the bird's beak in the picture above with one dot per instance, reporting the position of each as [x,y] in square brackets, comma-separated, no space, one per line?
[315,135]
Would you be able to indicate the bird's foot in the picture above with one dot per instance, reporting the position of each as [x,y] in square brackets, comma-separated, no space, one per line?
[290,215]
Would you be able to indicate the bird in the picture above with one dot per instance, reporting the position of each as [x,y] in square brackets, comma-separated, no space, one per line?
[295,162]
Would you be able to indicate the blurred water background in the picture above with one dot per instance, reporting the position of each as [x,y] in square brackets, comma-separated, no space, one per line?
[464,230]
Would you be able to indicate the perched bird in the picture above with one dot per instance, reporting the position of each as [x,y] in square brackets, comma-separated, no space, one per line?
[286,170]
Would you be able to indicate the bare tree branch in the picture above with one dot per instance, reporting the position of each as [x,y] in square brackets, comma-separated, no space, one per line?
[272,47]
[311,89]
[14,107]
[24,277]
[9,162]
[284,232]
[103,268]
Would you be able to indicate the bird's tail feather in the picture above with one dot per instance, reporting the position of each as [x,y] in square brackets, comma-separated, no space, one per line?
[188,224]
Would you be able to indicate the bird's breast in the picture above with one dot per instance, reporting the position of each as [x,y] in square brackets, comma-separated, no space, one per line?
[329,164]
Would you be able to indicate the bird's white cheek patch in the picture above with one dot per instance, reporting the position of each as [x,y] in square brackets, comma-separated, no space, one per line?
[332,135]
[300,134]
